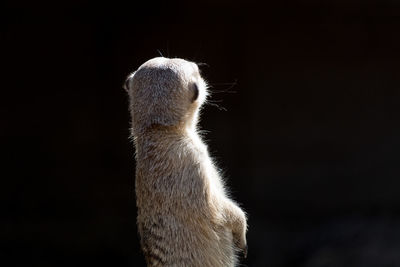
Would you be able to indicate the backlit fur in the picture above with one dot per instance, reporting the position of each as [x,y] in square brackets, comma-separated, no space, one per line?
[184,215]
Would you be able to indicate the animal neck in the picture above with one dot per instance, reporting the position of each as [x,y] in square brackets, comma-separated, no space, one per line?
[158,132]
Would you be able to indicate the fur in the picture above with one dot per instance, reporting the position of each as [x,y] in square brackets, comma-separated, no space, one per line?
[184,215]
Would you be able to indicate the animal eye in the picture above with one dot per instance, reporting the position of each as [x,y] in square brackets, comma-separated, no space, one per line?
[195,92]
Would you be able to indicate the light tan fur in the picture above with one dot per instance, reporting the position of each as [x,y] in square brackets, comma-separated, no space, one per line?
[184,215]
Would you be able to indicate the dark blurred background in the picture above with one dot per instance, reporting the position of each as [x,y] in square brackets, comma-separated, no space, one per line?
[309,144]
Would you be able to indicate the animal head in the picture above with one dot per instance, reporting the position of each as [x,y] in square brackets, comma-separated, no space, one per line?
[165,92]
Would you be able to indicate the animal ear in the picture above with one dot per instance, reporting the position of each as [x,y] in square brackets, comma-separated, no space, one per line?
[127,81]
[195,91]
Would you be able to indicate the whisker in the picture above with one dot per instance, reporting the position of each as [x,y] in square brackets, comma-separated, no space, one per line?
[200,64]
[214,101]
[232,83]
[160,53]
[216,105]
[223,91]
[227,90]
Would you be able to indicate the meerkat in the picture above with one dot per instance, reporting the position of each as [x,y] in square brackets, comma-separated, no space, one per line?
[185,217]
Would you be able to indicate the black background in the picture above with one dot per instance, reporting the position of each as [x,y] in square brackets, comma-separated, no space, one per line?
[309,144]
